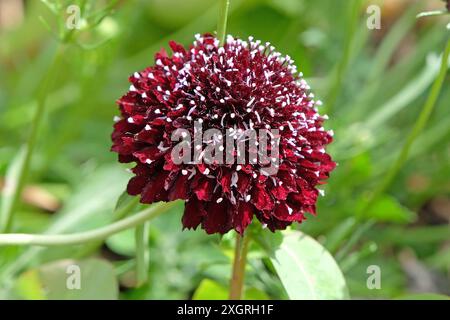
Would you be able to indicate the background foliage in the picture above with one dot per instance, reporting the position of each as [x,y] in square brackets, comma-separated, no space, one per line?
[373,84]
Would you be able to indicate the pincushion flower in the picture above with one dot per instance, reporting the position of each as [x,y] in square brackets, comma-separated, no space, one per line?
[239,86]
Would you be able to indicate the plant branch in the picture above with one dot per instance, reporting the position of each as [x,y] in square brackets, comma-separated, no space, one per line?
[86,236]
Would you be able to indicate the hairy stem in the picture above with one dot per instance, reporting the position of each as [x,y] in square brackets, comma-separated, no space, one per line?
[86,236]
[240,260]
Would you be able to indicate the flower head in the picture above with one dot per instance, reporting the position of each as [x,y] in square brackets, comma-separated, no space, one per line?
[234,88]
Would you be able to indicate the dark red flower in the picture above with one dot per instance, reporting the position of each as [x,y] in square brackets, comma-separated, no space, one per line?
[240,85]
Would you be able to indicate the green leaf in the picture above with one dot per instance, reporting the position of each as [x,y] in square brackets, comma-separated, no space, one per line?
[12,182]
[122,243]
[125,205]
[407,95]
[341,232]
[388,209]
[55,281]
[305,268]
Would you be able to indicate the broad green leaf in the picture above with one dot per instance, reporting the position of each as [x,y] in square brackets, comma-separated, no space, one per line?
[306,269]
[122,243]
[57,281]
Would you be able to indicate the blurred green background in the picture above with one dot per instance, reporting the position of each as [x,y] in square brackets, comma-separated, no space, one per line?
[373,84]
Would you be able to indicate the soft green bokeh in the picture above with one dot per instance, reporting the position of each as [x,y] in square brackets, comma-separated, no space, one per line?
[382,90]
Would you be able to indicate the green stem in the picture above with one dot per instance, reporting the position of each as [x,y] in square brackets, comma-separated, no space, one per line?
[86,236]
[13,189]
[222,22]
[142,253]
[240,260]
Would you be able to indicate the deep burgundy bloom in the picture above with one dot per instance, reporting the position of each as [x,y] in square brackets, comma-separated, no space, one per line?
[240,84]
